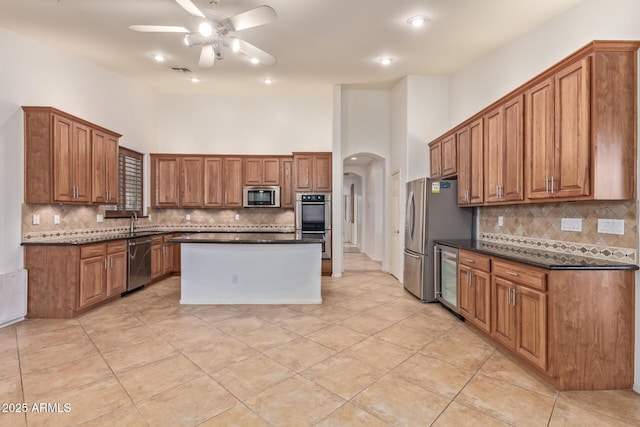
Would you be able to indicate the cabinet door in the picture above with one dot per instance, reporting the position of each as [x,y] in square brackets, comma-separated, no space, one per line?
[572,131]
[465,294]
[532,325]
[482,300]
[116,273]
[232,183]
[99,167]
[493,154]
[271,172]
[449,161]
[504,314]
[252,171]
[539,139]
[322,173]
[156,260]
[303,173]
[63,185]
[92,281]
[435,160]
[476,161]
[213,182]
[191,181]
[286,188]
[167,258]
[513,175]
[166,182]
[81,162]
[464,166]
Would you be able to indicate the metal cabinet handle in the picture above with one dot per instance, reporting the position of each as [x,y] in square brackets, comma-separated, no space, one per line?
[546,184]
[111,262]
[511,273]
[469,278]
[469,260]
[552,185]
[105,263]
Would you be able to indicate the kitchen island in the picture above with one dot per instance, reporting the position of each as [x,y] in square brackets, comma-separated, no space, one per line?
[249,268]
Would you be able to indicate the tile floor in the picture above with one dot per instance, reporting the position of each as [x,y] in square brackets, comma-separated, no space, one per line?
[360,262]
[370,355]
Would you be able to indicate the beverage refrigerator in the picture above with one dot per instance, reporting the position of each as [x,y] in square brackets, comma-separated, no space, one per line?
[432,213]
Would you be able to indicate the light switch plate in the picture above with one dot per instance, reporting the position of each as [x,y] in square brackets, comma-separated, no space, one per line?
[611,226]
[571,224]
[36,219]
[56,219]
[99,218]
[500,221]
[237,217]
[188,217]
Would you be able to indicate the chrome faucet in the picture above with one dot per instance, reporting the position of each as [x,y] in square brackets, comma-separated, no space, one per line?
[134,218]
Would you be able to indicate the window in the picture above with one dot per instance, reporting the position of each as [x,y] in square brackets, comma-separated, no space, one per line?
[129,185]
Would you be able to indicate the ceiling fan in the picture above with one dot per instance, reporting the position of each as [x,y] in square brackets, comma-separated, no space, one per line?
[212,33]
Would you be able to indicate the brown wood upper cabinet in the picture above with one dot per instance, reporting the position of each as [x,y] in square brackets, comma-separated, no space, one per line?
[442,157]
[177,181]
[503,152]
[261,171]
[287,195]
[470,165]
[312,172]
[61,151]
[232,182]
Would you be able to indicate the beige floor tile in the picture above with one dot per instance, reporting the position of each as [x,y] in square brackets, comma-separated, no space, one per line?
[623,405]
[64,377]
[239,415]
[35,340]
[337,337]
[303,308]
[226,352]
[378,353]
[266,337]
[85,403]
[187,405]
[113,339]
[199,338]
[216,313]
[139,354]
[352,416]
[299,354]
[303,324]
[31,327]
[406,302]
[502,368]
[239,325]
[57,354]
[158,315]
[9,364]
[464,334]
[457,415]
[423,321]
[366,323]
[358,304]
[506,402]
[294,402]
[145,381]
[413,339]
[434,375]
[174,327]
[567,413]
[390,312]
[11,393]
[128,416]
[271,313]
[466,356]
[110,321]
[398,402]
[251,376]
[332,313]
[343,375]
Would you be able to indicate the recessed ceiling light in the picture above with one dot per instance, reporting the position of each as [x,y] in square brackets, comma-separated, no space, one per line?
[158,57]
[354,158]
[418,20]
[194,79]
[268,81]
[386,61]
[255,60]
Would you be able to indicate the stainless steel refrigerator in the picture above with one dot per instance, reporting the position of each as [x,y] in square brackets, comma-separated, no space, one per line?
[432,213]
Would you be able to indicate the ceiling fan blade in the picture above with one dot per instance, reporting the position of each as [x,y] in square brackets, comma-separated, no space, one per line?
[190,8]
[207,56]
[251,51]
[158,29]
[251,18]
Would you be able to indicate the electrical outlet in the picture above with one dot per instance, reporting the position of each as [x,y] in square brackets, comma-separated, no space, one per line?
[188,217]
[571,224]
[100,218]
[237,217]
[36,219]
[611,226]
[56,219]
[500,221]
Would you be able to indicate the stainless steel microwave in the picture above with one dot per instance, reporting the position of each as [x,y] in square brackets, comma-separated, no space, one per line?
[261,196]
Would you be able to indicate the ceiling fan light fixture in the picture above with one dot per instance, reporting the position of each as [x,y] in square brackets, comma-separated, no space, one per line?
[205,29]
[254,61]
[418,20]
[235,45]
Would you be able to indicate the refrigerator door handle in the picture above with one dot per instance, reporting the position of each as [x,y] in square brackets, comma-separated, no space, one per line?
[411,255]
[411,214]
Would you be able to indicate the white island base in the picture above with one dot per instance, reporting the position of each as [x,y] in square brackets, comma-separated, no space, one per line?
[222,273]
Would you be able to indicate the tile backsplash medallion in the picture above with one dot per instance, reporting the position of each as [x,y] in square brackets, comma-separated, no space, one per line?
[538,226]
[81,221]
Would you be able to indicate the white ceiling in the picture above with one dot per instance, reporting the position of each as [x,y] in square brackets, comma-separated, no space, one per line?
[317,43]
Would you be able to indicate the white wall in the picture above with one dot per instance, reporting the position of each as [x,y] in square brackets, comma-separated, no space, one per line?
[365,122]
[244,124]
[374,208]
[33,74]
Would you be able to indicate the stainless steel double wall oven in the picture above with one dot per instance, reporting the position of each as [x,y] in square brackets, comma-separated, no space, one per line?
[313,219]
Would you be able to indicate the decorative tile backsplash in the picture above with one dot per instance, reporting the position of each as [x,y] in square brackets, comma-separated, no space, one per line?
[81,221]
[538,226]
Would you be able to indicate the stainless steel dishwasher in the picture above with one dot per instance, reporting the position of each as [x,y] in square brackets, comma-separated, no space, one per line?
[139,263]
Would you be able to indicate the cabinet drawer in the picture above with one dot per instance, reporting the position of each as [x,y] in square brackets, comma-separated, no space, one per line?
[87,251]
[117,246]
[521,274]
[157,240]
[472,259]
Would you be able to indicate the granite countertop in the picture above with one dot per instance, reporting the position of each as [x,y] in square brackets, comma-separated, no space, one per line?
[538,257]
[242,238]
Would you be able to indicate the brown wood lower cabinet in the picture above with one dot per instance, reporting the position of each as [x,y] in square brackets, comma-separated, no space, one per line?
[65,281]
[165,257]
[573,328]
